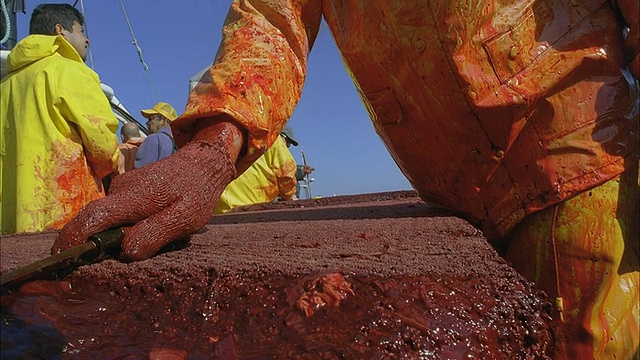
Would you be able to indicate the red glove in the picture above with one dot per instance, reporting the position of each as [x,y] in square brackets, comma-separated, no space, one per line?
[166,200]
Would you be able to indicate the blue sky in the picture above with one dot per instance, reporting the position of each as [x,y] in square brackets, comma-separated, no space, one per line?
[179,38]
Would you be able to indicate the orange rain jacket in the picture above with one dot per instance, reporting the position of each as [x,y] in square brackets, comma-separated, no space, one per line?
[495,110]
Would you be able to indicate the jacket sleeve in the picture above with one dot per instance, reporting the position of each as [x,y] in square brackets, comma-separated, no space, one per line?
[628,11]
[284,167]
[300,172]
[82,102]
[259,70]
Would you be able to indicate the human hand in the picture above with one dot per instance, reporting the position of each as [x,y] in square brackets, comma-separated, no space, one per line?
[307,169]
[629,10]
[164,201]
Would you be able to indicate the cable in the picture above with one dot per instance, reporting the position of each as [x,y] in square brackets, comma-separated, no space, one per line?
[559,301]
[139,51]
[86,30]
[7,22]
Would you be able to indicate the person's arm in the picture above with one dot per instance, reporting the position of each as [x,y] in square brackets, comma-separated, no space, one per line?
[258,74]
[148,151]
[231,116]
[629,10]
[81,101]
[302,171]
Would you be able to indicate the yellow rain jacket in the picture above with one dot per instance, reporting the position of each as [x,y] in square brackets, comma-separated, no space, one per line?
[273,174]
[57,139]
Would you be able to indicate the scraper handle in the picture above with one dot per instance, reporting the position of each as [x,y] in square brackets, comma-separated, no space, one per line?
[108,242]
[59,265]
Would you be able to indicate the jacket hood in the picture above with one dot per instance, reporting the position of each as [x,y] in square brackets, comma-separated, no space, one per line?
[36,47]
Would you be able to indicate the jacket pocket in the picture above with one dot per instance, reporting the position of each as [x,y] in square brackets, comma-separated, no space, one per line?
[543,46]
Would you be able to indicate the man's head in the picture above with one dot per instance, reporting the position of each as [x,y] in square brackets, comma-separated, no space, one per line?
[289,137]
[63,20]
[128,131]
[159,116]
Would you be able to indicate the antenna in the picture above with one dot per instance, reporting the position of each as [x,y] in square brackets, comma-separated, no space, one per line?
[139,51]
[306,176]
[86,30]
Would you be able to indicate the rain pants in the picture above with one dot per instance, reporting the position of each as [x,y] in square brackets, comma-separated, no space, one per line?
[57,139]
[496,110]
[272,175]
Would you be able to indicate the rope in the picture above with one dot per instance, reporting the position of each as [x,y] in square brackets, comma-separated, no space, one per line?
[86,30]
[559,302]
[139,51]
[7,22]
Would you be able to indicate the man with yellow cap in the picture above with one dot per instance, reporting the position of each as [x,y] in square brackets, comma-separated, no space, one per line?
[159,144]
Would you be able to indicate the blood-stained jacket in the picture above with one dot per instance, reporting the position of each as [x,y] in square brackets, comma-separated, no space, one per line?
[272,175]
[495,109]
[57,139]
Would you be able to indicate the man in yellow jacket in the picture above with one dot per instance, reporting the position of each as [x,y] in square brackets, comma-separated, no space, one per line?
[272,175]
[58,133]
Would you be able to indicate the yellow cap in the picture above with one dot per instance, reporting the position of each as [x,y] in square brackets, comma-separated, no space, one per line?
[163,109]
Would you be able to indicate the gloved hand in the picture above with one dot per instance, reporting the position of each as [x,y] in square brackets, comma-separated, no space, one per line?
[165,200]
[629,10]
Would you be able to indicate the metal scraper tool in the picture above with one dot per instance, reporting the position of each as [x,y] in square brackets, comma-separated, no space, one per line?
[59,265]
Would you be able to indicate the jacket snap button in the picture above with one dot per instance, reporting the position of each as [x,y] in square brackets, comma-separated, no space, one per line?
[420,45]
[513,52]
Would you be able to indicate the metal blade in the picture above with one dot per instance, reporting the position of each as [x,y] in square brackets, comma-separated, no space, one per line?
[61,264]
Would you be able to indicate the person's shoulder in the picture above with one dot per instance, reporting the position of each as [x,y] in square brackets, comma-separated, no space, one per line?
[279,145]
[128,146]
[153,136]
[69,63]
[166,134]
[77,70]
[136,141]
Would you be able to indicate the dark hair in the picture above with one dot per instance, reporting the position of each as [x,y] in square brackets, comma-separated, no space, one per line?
[45,17]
